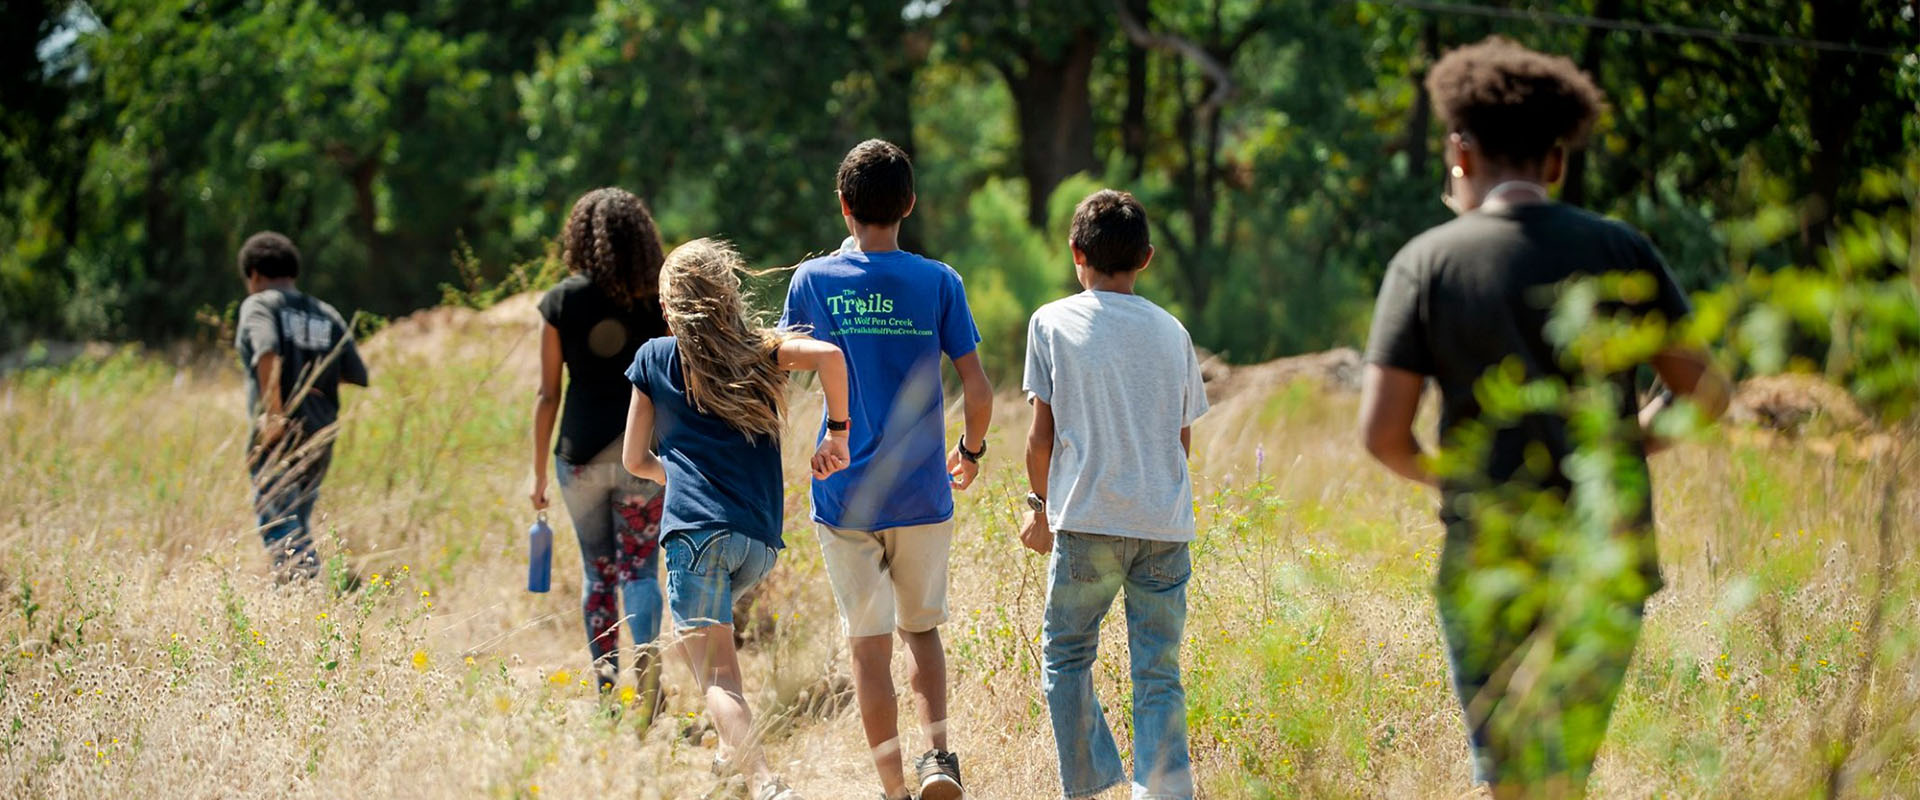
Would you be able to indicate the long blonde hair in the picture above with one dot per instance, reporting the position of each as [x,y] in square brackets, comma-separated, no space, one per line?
[728,358]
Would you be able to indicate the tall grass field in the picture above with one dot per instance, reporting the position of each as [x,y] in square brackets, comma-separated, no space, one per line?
[144,652]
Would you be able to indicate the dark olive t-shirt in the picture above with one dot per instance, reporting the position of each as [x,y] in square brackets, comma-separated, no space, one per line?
[597,341]
[1467,295]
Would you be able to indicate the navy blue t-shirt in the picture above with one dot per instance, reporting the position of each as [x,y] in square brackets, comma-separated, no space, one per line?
[893,314]
[718,478]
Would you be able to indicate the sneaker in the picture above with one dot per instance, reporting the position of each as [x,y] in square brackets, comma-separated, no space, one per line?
[775,789]
[939,775]
[883,796]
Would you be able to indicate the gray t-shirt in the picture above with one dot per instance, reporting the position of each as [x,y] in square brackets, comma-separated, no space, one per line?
[1123,380]
[316,351]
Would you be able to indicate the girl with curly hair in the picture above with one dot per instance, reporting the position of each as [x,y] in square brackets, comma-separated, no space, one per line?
[596,319]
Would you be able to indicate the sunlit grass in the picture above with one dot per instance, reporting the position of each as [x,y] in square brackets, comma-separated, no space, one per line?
[144,653]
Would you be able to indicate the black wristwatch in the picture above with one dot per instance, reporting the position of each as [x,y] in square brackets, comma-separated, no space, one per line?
[1037,503]
[838,425]
[975,456]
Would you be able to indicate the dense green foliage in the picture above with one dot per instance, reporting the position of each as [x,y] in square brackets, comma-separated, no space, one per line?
[1284,149]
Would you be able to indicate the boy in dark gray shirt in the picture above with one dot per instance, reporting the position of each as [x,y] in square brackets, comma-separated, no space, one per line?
[296,351]
[1116,387]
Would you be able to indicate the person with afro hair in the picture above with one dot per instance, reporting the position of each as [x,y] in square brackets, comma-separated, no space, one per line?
[1538,659]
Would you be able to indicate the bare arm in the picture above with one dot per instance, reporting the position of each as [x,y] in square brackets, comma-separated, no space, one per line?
[1040,446]
[823,358]
[266,370]
[1690,374]
[273,412]
[1390,398]
[830,364]
[1186,440]
[1037,535]
[636,451]
[546,408]
[977,399]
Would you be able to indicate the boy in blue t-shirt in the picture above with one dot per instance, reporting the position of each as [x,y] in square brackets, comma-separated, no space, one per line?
[886,521]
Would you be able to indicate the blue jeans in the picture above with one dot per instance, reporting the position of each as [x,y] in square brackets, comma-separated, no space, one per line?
[1085,574]
[707,571]
[284,493]
[616,517]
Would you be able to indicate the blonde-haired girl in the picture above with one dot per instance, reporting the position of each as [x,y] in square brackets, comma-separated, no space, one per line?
[714,394]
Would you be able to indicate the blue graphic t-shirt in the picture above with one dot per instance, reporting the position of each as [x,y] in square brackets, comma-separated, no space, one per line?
[718,479]
[894,314]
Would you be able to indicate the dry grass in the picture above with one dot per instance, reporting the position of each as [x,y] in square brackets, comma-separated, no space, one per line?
[143,652]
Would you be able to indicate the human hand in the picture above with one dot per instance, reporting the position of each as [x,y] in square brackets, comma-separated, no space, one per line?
[272,427]
[1036,535]
[961,470]
[832,455]
[539,493]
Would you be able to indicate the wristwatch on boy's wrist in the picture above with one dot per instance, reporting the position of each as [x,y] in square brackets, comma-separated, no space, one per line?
[972,455]
[838,425]
[1037,503]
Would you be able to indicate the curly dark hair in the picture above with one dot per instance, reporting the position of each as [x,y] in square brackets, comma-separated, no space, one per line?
[269,255]
[876,180]
[611,238]
[1517,104]
[1110,229]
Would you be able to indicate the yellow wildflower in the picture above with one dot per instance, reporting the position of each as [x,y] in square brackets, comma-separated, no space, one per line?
[420,660]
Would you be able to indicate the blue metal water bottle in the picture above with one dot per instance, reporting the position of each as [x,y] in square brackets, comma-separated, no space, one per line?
[539,555]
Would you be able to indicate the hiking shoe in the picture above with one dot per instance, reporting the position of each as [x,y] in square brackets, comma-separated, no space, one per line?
[775,789]
[939,775]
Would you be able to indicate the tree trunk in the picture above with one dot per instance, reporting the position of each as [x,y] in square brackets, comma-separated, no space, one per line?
[893,70]
[367,213]
[1133,121]
[1573,190]
[1833,113]
[1055,108]
[1420,119]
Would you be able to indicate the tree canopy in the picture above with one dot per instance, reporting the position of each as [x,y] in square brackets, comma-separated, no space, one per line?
[1284,150]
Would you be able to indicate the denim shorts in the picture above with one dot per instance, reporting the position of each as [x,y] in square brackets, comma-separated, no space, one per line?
[708,570]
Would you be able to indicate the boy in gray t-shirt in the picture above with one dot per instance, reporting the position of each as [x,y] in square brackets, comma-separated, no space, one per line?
[1115,387]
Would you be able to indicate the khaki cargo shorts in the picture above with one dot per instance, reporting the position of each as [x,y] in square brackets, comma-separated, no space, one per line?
[883,580]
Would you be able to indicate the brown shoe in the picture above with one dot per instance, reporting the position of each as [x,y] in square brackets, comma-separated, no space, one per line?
[939,776]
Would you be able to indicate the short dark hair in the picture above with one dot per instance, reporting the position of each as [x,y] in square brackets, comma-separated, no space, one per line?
[269,255]
[1516,103]
[1110,229]
[876,180]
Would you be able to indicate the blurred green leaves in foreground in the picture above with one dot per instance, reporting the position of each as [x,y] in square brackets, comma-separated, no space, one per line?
[1544,577]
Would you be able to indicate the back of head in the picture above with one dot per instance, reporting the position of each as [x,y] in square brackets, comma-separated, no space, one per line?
[269,255]
[610,238]
[876,181]
[1516,104]
[727,358]
[1110,230]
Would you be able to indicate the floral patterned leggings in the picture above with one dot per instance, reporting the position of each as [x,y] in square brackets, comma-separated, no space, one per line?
[617,519]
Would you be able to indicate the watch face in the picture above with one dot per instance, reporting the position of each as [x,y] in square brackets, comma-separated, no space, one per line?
[1034,502]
